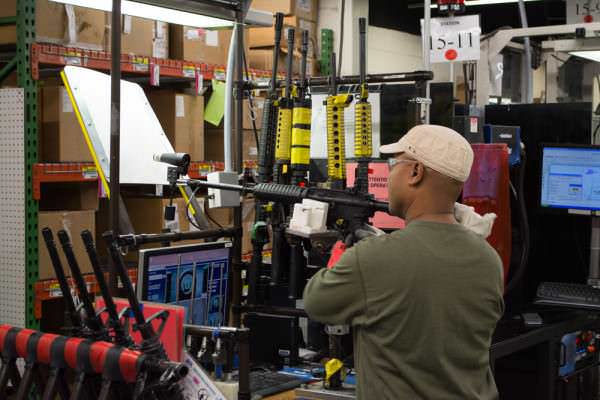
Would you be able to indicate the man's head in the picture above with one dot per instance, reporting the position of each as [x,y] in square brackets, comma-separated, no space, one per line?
[428,167]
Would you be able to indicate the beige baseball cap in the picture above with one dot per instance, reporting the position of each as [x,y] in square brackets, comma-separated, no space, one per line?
[442,149]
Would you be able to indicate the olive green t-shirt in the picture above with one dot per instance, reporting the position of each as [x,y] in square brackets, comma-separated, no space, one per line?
[423,303]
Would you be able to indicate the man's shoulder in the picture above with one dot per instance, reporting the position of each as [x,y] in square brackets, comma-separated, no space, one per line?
[383,242]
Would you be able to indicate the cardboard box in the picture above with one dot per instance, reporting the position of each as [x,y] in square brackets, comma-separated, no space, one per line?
[307,9]
[201,45]
[264,36]
[62,139]
[73,222]
[83,27]
[142,37]
[213,139]
[182,119]
[147,215]
[69,197]
[8,34]
[263,59]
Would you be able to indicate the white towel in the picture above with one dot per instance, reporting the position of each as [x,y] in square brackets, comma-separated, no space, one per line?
[467,217]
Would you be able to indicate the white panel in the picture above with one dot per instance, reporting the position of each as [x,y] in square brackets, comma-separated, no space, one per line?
[141,133]
[12,209]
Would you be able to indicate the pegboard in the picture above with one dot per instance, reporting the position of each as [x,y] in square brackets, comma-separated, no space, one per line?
[12,208]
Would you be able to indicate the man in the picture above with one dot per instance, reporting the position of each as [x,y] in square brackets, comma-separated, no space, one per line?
[423,301]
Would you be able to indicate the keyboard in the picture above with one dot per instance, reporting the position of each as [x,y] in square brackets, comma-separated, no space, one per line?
[265,383]
[568,295]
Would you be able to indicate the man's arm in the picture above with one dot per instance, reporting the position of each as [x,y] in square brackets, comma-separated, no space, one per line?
[336,296]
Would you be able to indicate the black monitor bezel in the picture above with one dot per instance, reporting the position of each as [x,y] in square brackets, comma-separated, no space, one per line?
[145,254]
[562,210]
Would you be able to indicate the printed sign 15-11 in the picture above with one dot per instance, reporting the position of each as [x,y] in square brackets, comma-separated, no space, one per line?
[455,39]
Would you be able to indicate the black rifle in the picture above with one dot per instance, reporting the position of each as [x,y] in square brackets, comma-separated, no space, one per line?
[121,335]
[71,312]
[151,345]
[363,129]
[92,320]
[266,158]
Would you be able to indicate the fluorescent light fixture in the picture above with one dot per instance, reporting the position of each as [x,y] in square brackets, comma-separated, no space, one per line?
[486,2]
[164,14]
[593,55]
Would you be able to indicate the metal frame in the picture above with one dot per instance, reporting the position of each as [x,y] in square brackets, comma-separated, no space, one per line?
[12,223]
[493,45]
[25,38]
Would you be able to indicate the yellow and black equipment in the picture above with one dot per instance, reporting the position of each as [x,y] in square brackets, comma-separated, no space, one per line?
[336,151]
[284,119]
[363,133]
[301,122]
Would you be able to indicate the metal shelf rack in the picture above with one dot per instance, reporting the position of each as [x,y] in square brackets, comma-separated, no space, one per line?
[86,172]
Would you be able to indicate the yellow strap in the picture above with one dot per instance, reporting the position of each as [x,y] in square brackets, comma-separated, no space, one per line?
[331,367]
[86,135]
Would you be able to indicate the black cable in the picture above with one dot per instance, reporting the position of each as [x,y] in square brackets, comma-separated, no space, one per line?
[250,101]
[208,215]
[517,276]
[342,12]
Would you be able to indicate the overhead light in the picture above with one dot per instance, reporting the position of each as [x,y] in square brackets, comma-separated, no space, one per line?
[593,55]
[148,11]
[480,3]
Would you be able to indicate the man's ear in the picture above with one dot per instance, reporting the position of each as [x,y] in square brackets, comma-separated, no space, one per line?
[416,174]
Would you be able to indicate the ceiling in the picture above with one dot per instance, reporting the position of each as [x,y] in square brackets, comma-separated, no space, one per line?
[401,16]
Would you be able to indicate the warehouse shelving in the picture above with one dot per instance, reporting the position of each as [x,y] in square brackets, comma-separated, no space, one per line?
[35,60]
[43,54]
[86,172]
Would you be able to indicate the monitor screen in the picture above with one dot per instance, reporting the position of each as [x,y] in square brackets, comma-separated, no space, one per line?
[571,177]
[192,276]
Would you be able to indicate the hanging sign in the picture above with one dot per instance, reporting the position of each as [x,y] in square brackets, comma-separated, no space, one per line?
[454,39]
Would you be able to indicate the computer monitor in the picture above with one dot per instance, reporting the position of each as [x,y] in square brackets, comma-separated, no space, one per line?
[571,177]
[193,276]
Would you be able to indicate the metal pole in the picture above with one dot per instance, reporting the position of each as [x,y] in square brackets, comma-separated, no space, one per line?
[228,122]
[426,56]
[527,74]
[236,280]
[115,127]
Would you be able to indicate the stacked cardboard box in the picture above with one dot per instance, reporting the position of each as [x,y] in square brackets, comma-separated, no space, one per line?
[71,207]
[263,59]
[263,37]
[300,15]
[90,29]
[201,45]
[140,36]
[61,138]
[213,138]
[182,118]
[306,9]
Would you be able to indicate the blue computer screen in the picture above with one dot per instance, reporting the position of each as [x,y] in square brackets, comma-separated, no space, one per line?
[571,178]
[190,276]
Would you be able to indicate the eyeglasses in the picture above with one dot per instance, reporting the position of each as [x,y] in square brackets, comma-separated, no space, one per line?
[393,161]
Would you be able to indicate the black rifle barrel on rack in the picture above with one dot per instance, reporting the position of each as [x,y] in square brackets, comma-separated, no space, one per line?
[266,141]
[62,279]
[122,337]
[266,161]
[93,321]
[362,45]
[152,345]
[304,53]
